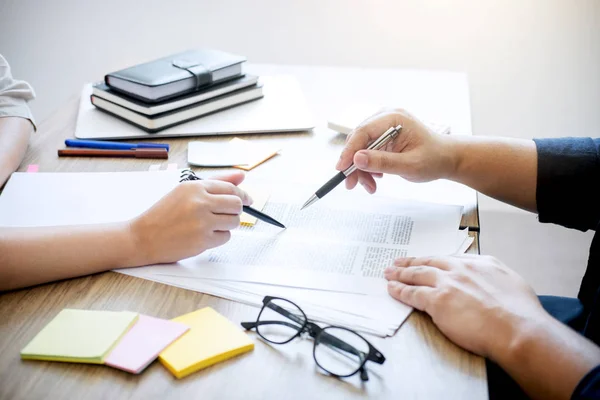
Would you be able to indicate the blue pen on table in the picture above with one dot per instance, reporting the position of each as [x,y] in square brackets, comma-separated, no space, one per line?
[102,144]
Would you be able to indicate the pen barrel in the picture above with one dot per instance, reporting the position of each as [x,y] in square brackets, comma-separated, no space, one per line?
[101,144]
[141,153]
[153,146]
[98,144]
[262,216]
[330,185]
[381,141]
[96,153]
[151,153]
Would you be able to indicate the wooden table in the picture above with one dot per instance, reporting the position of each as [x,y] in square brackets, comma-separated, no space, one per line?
[421,362]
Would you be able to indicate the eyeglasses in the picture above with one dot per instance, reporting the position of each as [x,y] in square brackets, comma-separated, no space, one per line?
[339,351]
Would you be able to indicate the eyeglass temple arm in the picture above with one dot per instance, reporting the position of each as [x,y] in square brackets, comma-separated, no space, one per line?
[286,313]
[331,340]
[250,325]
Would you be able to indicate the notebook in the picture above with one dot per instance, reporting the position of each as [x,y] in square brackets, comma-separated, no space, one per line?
[101,90]
[175,74]
[158,122]
[82,336]
[212,338]
[282,109]
[143,342]
[79,198]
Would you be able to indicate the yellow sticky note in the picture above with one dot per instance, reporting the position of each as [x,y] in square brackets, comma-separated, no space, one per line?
[260,198]
[256,153]
[212,338]
[83,336]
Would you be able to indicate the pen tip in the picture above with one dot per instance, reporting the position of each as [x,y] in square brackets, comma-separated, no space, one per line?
[310,201]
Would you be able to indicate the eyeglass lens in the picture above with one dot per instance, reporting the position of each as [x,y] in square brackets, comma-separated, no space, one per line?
[340,351]
[279,321]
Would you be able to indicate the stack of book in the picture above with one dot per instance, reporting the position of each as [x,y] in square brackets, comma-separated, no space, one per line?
[171,90]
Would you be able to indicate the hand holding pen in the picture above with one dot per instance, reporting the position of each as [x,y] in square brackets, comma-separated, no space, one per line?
[391,142]
[188,220]
[189,175]
[379,143]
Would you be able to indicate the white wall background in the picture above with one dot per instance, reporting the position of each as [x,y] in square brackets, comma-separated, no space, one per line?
[533,67]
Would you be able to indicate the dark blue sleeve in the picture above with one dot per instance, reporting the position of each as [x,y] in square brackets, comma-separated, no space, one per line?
[589,387]
[568,182]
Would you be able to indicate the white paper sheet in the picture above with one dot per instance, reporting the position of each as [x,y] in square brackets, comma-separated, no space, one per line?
[377,314]
[334,245]
[356,234]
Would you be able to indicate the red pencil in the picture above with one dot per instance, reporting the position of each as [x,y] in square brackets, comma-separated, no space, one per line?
[136,153]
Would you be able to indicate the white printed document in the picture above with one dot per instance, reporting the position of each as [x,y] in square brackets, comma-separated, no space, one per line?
[341,243]
[330,259]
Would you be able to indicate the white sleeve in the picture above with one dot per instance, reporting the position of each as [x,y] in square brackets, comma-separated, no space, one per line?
[14,95]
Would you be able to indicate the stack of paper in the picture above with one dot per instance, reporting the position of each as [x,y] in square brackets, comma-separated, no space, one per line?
[330,259]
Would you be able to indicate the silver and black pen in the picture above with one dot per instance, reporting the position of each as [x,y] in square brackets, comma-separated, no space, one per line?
[384,139]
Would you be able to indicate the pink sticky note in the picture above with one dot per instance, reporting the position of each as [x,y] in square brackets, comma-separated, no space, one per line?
[141,345]
[33,168]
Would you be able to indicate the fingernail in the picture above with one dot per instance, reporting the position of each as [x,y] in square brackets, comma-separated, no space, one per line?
[367,187]
[393,284]
[361,160]
[339,163]
[388,271]
[249,199]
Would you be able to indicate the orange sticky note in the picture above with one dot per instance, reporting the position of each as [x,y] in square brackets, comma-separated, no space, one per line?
[256,153]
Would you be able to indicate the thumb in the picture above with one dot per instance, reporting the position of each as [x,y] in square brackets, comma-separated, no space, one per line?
[378,161]
[234,177]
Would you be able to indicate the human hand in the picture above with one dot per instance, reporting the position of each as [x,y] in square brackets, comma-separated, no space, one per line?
[476,301]
[193,217]
[417,154]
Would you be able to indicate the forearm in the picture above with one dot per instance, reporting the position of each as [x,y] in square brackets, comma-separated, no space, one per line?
[14,136]
[502,168]
[30,256]
[548,359]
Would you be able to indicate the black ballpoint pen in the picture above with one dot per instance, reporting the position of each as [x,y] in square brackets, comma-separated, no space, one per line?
[388,135]
[189,175]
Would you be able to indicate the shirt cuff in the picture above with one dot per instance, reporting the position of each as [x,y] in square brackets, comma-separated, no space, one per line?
[567,176]
[589,386]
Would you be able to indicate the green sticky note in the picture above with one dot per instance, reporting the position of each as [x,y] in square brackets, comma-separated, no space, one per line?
[83,336]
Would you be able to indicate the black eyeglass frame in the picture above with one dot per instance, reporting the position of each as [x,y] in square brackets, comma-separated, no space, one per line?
[318,334]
